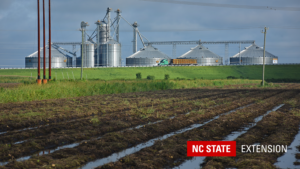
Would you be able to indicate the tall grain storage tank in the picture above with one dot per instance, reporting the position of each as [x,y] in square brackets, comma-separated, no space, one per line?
[253,55]
[103,38]
[110,53]
[147,56]
[88,60]
[58,59]
[203,56]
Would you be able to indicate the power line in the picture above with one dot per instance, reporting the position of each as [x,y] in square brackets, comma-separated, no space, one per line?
[227,5]
[172,30]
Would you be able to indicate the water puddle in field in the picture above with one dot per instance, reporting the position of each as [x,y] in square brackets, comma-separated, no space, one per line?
[3,132]
[29,128]
[288,159]
[19,142]
[76,144]
[196,161]
[116,156]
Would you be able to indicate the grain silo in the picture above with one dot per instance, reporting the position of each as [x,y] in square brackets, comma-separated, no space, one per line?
[58,59]
[253,55]
[147,56]
[110,53]
[88,55]
[203,56]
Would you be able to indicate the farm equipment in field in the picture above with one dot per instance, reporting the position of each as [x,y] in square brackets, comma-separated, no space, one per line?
[178,62]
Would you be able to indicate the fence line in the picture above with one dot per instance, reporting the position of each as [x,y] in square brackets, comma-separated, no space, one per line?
[162,66]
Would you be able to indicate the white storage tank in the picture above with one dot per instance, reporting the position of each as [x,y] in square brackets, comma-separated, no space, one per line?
[147,56]
[253,55]
[203,56]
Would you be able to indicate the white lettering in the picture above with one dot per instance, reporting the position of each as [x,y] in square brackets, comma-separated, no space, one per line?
[284,148]
[223,148]
[278,149]
[201,146]
[195,148]
[248,149]
[264,149]
[270,148]
[258,148]
[218,149]
[208,149]
[228,149]
[214,150]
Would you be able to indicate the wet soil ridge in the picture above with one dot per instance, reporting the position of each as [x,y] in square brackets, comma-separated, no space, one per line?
[171,152]
[117,141]
[196,161]
[103,118]
[296,110]
[277,128]
[77,110]
[88,130]
[57,140]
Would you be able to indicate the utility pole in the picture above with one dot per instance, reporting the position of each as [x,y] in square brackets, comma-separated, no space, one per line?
[44,43]
[240,54]
[39,45]
[49,40]
[265,33]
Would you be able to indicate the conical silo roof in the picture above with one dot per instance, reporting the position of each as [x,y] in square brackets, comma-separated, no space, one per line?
[199,52]
[54,53]
[149,52]
[254,51]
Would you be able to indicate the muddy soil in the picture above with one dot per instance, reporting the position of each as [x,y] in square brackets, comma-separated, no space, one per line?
[70,111]
[172,151]
[277,128]
[86,131]
[11,137]
[116,141]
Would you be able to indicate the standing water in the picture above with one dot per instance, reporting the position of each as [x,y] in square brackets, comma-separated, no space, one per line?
[116,156]
[196,161]
[288,159]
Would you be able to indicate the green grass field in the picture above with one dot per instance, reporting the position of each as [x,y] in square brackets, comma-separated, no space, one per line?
[199,72]
[67,89]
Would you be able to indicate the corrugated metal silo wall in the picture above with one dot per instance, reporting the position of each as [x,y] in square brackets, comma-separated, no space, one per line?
[111,55]
[210,61]
[143,61]
[56,62]
[251,60]
[89,57]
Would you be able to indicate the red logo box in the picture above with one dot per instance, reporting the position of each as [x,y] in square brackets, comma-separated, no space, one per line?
[211,148]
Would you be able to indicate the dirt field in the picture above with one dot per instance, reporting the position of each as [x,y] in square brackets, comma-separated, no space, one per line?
[152,127]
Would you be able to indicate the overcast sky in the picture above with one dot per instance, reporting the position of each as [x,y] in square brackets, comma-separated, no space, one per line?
[158,22]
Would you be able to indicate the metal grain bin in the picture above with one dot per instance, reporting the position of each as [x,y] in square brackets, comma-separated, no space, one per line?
[110,54]
[147,56]
[253,55]
[203,56]
[88,60]
[58,59]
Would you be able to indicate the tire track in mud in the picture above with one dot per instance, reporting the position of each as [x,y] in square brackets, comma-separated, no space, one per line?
[172,151]
[117,141]
[66,138]
[65,117]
